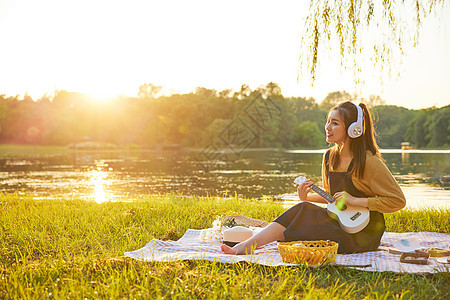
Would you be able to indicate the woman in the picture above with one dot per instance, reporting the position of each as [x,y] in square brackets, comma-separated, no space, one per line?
[354,173]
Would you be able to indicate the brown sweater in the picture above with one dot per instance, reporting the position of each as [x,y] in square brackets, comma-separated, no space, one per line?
[384,193]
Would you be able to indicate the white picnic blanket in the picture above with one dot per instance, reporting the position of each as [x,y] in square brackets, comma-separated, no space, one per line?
[191,246]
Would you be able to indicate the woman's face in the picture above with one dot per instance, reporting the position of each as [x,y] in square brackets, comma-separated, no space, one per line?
[335,128]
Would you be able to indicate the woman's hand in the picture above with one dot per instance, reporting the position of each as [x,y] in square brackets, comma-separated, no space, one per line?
[346,198]
[304,189]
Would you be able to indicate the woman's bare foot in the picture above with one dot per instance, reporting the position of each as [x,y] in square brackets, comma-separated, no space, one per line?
[272,232]
[238,249]
[227,249]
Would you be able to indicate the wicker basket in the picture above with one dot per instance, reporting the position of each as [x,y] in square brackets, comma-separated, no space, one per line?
[312,253]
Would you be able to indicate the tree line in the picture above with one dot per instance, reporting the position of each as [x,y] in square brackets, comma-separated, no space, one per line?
[262,117]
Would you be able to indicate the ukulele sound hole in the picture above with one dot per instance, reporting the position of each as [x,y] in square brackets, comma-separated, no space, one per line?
[341,207]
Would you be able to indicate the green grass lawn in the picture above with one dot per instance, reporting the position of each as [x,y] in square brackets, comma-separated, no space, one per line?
[71,248]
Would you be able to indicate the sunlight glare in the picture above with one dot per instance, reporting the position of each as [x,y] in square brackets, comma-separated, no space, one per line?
[104,57]
[98,179]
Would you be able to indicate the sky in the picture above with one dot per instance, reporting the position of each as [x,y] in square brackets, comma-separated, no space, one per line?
[109,48]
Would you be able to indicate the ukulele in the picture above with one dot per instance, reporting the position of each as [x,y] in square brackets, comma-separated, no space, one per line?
[352,218]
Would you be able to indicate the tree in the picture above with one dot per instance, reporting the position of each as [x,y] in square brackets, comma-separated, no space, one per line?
[224,94]
[308,135]
[381,30]
[439,127]
[27,98]
[391,123]
[204,92]
[273,89]
[244,92]
[149,91]
[334,98]
[374,100]
[287,124]
[416,130]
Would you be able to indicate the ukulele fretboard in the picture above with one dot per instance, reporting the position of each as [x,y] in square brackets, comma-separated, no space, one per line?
[322,193]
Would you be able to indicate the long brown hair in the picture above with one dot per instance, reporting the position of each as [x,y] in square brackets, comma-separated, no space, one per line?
[358,146]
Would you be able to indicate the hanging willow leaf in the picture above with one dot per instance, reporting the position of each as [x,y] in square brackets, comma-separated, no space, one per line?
[379,30]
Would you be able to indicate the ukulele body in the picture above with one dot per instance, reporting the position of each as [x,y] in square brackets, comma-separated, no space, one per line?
[351,218]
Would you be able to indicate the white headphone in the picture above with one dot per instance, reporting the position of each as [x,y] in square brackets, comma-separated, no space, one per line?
[356,129]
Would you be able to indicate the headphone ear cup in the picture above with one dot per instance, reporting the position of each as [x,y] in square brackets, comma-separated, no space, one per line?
[354,130]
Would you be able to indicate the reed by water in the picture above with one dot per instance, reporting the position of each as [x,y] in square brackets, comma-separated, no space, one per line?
[72,248]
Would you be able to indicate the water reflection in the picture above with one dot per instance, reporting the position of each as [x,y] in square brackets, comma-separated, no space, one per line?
[107,176]
[97,178]
[405,158]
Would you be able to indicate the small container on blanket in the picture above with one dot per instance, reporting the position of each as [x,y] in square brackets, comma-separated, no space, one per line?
[418,258]
[308,252]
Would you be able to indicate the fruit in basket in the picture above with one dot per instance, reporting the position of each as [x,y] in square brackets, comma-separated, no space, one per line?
[315,259]
[303,255]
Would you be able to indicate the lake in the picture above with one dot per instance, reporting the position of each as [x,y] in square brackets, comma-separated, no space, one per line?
[261,174]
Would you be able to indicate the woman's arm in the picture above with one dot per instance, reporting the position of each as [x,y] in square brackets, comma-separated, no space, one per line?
[316,198]
[350,200]
[303,193]
[378,183]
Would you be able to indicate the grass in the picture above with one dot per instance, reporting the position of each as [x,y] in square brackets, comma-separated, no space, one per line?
[71,248]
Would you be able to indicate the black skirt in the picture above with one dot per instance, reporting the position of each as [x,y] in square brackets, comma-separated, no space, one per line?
[308,222]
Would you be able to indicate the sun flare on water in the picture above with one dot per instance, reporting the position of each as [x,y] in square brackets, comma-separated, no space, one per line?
[98,180]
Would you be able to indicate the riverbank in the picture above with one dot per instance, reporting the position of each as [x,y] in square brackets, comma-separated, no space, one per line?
[71,248]
[23,149]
